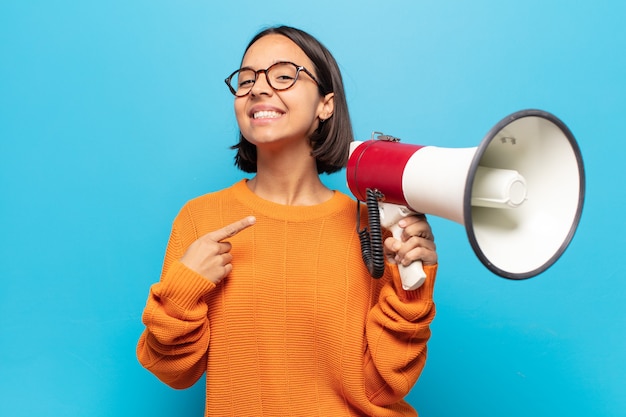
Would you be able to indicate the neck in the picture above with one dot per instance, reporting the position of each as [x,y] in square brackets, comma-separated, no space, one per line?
[289,182]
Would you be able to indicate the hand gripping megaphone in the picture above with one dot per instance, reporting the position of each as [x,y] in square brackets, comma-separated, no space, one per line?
[519,193]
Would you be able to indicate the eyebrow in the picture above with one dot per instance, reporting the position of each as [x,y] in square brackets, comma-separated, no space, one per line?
[274,62]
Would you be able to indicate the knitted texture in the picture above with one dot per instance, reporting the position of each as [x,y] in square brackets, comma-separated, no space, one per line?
[298,328]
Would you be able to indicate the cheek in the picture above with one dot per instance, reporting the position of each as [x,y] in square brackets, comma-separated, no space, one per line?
[239,107]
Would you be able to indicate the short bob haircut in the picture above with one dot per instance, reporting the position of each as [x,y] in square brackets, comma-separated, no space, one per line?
[330,143]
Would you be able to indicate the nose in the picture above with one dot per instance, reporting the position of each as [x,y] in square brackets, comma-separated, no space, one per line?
[261,87]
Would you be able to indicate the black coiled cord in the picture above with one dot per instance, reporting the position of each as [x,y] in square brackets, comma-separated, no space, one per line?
[372,240]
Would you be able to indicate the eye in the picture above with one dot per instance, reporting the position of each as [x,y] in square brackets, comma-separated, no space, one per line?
[283,78]
[245,83]
[245,78]
[283,74]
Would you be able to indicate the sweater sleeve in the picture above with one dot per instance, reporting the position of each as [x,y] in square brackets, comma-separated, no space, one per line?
[398,328]
[174,343]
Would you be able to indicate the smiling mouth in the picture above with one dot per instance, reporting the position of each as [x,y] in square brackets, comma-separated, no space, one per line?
[266,114]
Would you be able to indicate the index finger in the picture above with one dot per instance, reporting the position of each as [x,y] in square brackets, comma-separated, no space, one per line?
[232,229]
[417,226]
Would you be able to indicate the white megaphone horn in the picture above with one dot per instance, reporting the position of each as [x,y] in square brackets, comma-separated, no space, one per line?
[519,193]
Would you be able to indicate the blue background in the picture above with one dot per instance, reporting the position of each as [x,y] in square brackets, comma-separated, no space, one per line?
[114,113]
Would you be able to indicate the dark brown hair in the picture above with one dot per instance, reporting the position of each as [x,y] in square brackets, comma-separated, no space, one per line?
[331,141]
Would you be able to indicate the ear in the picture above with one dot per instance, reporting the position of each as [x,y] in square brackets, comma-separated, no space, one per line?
[327,107]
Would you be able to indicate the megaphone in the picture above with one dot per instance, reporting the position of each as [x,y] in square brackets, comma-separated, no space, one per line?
[519,193]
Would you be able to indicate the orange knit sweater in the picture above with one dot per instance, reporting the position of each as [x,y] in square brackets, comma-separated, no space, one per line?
[298,328]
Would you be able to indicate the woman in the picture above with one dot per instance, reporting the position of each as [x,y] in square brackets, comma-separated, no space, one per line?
[263,287]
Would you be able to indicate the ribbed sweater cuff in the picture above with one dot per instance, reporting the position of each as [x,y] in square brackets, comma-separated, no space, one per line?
[424,292]
[184,286]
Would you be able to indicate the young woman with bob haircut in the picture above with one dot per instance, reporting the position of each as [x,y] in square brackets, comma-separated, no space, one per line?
[263,288]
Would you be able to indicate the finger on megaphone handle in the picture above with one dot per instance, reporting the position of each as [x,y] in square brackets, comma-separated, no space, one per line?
[411,248]
[416,225]
[417,249]
[413,275]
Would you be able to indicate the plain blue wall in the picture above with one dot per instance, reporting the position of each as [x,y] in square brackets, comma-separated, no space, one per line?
[114,113]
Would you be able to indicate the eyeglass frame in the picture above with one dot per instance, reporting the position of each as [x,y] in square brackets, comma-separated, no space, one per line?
[299,68]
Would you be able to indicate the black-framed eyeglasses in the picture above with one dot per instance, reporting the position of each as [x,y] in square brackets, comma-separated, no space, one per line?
[280,76]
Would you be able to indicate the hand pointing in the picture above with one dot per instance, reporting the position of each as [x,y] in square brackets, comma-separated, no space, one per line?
[209,256]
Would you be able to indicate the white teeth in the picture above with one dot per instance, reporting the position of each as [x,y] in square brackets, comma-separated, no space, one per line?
[266,114]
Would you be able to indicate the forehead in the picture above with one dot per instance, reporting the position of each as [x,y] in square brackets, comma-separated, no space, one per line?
[274,48]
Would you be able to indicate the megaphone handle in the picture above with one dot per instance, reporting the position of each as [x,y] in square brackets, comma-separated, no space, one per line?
[413,275]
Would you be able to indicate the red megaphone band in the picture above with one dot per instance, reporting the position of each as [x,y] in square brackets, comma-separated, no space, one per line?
[379,164]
